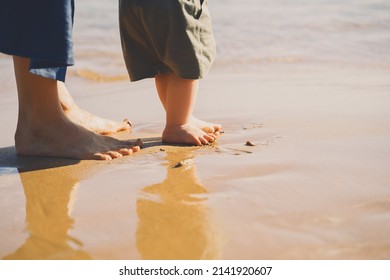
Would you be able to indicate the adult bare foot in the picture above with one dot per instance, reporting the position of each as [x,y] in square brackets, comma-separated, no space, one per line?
[65,139]
[44,130]
[95,123]
[189,134]
[86,119]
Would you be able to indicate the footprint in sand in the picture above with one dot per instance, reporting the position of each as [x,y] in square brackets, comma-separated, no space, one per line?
[252,126]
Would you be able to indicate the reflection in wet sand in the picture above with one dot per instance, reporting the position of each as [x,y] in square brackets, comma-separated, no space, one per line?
[48,195]
[174,218]
[174,222]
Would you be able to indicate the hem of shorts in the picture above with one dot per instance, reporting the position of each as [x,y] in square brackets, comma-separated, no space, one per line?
[189,73]
[31,56]
[182,74]
[35,71]
[148,74]
[8,52]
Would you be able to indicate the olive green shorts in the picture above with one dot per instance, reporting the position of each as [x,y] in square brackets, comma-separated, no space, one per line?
[163,36]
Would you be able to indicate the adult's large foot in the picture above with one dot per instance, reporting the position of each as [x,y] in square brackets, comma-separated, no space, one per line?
[66,139]
[44,130]
[86,119]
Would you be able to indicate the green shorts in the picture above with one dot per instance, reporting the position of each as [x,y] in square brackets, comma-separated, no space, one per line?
[163,36]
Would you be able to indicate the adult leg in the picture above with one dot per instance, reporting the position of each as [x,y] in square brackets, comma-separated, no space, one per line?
[44,130]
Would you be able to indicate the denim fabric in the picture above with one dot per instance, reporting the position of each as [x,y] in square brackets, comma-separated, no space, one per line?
[40,30]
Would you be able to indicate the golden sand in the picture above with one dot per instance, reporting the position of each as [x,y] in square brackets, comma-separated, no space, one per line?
[314,184]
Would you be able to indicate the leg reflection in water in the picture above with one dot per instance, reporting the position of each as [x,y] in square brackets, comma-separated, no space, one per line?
[174,221]
[47,217]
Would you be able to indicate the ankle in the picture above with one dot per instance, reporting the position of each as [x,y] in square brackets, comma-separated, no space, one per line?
[175,122]
[176,126]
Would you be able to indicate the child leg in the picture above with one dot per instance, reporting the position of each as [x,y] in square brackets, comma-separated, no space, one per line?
[44,130]
[178,97]
[162,86]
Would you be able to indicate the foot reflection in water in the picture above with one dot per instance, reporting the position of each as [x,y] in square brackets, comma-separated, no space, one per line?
[174,221]
[48,197]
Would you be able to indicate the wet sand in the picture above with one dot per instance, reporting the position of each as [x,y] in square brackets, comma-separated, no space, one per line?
[315,185]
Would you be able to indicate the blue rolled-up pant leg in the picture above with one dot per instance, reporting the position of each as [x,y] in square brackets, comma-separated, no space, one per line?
[40,30]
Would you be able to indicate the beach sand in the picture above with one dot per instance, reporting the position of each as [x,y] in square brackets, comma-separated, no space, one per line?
[315,185]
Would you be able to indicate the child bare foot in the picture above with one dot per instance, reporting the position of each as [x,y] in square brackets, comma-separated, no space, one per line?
[189,133]
[207,127]
[65,139]
[86,119]
[178,96]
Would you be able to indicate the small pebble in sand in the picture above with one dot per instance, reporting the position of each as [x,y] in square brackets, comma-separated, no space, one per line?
[249,143]
[180,164]
[162,149]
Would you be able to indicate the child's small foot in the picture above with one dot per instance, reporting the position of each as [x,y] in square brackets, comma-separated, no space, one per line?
[213,128]
[190,134]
